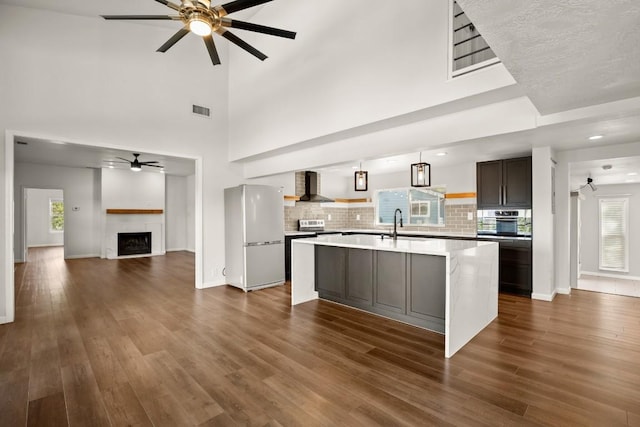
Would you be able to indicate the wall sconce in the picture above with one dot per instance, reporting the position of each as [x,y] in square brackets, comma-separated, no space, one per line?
[361,180]
[421,174]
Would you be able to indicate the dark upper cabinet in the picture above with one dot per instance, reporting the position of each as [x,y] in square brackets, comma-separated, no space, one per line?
[504,183]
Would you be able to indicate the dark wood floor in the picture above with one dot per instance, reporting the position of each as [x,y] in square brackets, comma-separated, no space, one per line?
[130,342]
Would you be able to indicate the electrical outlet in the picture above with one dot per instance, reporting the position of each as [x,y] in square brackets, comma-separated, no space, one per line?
[329,217]
[357,217]
[470,216]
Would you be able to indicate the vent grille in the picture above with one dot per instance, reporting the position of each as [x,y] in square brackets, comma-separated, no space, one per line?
[199,110]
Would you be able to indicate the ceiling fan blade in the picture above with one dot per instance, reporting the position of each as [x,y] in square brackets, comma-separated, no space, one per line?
[175,39]
[211,47]
[169,4]
[146,163]
[241,25]
[128,161]
[115,161]
[152,166]
[241,43]
[142,17]
[237,5]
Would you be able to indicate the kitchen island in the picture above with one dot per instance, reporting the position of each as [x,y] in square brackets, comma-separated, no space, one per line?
[448,286]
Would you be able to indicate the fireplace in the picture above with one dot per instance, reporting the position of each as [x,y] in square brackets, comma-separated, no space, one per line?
[134,243]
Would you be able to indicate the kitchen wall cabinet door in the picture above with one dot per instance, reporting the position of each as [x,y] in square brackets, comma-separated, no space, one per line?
[330,271]
[390,283]
[489,183]
[516,175]
[504,183]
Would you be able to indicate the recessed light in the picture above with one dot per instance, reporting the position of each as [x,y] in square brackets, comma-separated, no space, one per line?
[606,167]
[441,154]
[630,180]
[595,137]
[110,166]
[632,173]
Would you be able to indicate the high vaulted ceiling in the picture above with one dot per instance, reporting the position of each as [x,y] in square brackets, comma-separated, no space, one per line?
[565,54]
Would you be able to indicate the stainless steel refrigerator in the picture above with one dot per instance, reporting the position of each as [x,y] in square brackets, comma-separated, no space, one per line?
[254,236]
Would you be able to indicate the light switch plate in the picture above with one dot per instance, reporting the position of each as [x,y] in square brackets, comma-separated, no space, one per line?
[357,217]
[470,216]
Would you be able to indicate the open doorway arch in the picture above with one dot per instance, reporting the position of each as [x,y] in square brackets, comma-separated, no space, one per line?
[9,223]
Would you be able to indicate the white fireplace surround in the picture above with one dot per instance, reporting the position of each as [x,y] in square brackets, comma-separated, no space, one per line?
[133,223]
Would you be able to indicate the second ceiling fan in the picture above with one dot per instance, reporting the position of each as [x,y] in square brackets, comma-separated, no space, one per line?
[199,17]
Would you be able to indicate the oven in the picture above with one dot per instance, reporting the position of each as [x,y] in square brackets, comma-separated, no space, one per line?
[506,223]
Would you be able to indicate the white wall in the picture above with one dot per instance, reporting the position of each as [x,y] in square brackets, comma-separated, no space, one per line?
[81,187]
[543,258]
[191,213]
[341,73]
[89,81]
[460,178]
[176,217]
[125,189]
[589,232]
[38,225]
[285,180]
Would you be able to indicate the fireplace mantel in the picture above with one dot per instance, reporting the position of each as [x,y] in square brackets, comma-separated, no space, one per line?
[134,211]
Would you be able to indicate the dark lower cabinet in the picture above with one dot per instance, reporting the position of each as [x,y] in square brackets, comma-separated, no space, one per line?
[406,287]
[390,289]
[359,286]
[427,287]
[330,271]
[515,267]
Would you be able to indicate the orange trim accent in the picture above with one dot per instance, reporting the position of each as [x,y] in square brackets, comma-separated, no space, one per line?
[459,195]
[292,198]
[134,211]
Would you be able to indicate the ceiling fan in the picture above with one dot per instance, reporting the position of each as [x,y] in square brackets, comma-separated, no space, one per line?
[135,164]
[199,17]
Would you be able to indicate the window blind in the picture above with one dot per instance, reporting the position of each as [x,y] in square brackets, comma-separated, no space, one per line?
[614,246]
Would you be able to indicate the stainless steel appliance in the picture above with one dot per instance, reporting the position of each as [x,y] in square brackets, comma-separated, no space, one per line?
[316,225]
[505,222]
[254,236]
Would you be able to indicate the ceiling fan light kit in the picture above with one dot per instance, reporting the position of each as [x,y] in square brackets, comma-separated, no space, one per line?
[135,165]
[200,18]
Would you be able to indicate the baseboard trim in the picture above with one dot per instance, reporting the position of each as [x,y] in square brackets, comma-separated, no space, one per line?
[544,297]
[5,319]
[564,291]
[181,250]
[47,245]
[212,285]
[82,256]
[608,275]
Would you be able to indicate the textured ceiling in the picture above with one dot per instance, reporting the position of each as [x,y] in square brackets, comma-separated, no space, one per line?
[566,54]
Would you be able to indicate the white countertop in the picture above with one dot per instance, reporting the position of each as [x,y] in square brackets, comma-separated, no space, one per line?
[425,246]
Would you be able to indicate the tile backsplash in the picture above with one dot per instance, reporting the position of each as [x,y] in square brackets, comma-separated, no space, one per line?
[457,220]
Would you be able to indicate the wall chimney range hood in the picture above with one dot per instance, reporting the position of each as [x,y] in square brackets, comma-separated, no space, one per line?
[311,189]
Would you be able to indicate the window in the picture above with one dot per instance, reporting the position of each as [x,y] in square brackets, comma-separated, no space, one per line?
[423,206]
[468,49]
[56,215]
[614,234]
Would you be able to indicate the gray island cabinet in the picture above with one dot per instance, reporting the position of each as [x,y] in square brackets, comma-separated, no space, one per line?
[447,286]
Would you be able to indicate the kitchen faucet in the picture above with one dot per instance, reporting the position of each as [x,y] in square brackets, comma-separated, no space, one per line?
[395,223]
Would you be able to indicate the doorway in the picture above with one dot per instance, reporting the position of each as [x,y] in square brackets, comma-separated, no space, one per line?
[43,219]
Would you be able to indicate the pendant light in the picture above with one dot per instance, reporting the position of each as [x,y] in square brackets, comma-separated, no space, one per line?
[421,174]
[361,180]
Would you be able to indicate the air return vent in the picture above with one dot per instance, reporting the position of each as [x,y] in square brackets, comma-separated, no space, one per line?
[201,111]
